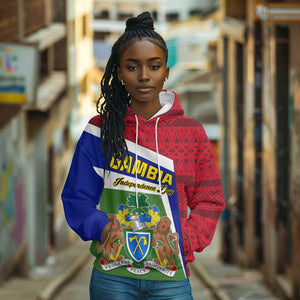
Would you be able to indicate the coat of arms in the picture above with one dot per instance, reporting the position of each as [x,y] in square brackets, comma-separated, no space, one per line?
[146,237]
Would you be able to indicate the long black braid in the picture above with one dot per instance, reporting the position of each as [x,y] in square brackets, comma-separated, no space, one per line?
[115,97]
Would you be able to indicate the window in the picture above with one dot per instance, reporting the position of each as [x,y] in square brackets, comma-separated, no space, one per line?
[104,14]
[154,15]
[172,17]
[44,66]
[84,26]
[124,16]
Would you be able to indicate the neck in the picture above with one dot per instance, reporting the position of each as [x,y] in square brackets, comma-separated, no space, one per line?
[146,109]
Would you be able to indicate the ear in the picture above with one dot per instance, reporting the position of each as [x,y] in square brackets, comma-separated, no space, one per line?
[167,72]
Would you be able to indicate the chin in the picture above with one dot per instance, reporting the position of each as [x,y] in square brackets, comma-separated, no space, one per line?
[146,98]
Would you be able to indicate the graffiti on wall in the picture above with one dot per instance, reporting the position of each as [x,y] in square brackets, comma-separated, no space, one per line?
[7,195]
[12,213]
[12,191]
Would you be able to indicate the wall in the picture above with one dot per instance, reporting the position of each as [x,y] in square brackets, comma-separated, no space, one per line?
[295,156]
[269,158]
[271,191]
[281,181]
[12,193]
[36,196]
[8,20]
[28,134]
[34,15]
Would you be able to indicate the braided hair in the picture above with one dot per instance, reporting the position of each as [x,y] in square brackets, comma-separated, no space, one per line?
[115,97]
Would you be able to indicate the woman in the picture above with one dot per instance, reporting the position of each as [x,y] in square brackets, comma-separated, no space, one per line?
[146,163]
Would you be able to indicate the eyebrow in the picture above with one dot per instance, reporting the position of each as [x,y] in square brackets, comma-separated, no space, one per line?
[150,59]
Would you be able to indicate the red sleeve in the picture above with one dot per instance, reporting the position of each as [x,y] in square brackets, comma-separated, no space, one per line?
[205,198]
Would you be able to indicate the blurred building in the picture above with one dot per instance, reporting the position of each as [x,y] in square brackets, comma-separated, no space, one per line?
[192,46]
[259,109]
[81,63]
[45,59]
[110,16]
[162,10]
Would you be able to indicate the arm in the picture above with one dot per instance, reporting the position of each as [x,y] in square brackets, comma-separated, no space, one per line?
[205,198]
[81,195]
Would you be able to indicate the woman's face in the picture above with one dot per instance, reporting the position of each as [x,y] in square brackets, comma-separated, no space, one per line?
[143,70]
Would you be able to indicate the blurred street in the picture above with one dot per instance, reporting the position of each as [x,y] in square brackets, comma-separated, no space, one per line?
[235,66]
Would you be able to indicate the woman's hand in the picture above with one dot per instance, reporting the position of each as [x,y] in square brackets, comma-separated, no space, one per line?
[106,231]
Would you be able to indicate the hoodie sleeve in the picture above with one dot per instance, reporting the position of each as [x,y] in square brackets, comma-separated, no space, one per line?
[81,195]
[205,198]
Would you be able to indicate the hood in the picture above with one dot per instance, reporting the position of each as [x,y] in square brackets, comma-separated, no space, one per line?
[170,107]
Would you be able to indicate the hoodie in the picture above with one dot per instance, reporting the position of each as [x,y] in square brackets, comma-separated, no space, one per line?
[169,168]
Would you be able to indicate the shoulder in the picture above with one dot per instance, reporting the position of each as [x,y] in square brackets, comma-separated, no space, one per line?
[95,121]
[92,128]
[191,122]
[188,124]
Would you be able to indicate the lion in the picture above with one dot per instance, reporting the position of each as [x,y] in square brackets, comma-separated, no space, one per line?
[116,232]
[165,252]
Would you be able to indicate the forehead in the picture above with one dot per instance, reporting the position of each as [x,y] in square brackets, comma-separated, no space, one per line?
[142,50]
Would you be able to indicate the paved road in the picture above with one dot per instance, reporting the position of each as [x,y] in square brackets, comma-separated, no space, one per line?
[78,287]
[200,291]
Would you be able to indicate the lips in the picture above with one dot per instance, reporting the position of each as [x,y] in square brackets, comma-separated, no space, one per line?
[144,89]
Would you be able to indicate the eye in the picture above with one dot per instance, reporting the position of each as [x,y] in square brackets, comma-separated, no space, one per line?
[155,67]
[131,68]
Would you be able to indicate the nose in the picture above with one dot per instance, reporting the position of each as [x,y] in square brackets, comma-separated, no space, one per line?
[144,74]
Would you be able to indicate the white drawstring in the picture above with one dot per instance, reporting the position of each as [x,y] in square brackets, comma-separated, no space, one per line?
[158,164]
[136,158]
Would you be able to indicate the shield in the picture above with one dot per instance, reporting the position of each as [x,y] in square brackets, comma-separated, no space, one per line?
[138,244]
